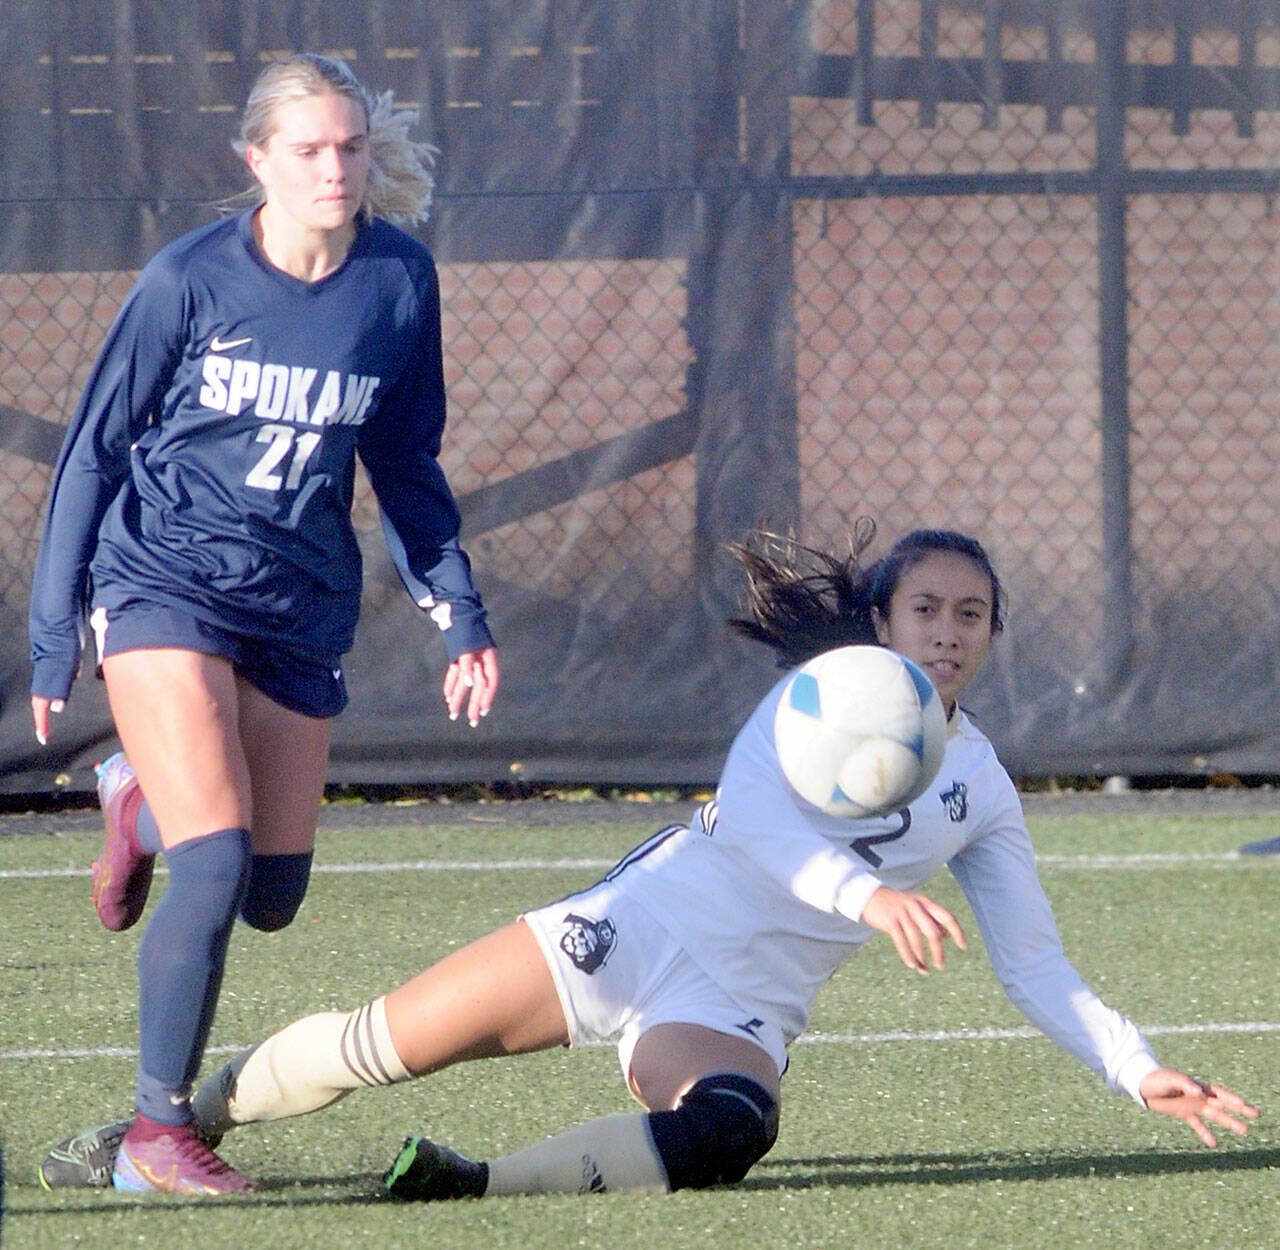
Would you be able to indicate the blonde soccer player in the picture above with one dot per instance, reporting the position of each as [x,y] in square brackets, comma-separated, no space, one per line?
[200,518]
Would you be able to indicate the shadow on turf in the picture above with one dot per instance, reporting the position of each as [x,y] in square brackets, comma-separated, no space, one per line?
[967,1169]
[364,1189]
[821,1171]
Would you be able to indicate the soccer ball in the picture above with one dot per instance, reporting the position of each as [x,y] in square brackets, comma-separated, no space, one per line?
[860,731]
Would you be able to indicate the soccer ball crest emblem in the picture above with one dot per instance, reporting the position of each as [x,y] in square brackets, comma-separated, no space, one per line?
[859,731]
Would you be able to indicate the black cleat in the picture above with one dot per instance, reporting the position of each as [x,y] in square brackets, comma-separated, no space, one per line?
[85,1160]
[425,1172]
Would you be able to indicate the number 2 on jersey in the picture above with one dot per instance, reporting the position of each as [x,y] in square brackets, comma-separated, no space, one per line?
[863,845]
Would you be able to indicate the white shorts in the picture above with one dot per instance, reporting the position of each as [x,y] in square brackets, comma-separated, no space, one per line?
[618,971]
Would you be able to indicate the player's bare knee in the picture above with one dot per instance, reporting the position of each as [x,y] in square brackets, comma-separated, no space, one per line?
[722,1127]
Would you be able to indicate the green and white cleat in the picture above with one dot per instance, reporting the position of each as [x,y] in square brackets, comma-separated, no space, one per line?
[426,1172]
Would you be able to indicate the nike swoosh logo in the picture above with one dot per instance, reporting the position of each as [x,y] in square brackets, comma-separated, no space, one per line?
[225,345]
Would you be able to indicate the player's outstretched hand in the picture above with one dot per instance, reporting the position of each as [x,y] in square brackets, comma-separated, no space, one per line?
[915,924]
[1196,1102]
[472,680]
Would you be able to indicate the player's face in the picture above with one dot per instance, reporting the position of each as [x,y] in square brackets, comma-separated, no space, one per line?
[315,166]
[940,617]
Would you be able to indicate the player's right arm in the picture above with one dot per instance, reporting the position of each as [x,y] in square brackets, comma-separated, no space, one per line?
[757,812]
[123,392]
[916,926]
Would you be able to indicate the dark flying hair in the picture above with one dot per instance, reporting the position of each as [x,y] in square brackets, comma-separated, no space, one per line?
[801,601]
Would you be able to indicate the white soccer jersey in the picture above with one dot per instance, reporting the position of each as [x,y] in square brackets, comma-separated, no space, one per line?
[765,891]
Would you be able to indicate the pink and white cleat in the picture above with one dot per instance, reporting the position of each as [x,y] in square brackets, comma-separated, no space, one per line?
[122,872]
[171,1159]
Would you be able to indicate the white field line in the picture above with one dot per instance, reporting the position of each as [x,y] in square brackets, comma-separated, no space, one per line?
[1089,861]
[1094,862]
[813,1038]
[1023,1033]
[1153,859]
[412,865]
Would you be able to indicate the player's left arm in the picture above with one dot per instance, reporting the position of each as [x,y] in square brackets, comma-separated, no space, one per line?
[1196,1103]
[472,680]
[421,522]
[998,875]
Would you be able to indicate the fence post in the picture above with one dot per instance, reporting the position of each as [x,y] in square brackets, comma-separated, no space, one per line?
[1113,334]
[741,321]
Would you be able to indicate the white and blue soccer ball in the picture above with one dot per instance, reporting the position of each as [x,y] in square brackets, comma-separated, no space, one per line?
[860,731]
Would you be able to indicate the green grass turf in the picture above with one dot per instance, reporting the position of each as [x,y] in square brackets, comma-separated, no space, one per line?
[978,1141]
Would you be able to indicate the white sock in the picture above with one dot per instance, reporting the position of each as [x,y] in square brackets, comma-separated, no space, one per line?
[613,1154]
[307,1065]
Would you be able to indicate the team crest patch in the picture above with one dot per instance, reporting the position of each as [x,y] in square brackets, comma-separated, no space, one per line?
[588,942]
[956,801]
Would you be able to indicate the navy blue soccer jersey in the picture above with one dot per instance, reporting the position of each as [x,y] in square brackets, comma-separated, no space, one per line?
[211,462]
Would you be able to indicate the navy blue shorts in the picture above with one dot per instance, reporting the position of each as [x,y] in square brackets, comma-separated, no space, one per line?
[300,683]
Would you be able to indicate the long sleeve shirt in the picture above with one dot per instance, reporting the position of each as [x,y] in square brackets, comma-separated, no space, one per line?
[210,464]
[766,892]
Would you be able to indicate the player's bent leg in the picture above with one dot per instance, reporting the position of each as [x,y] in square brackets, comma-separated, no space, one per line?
[714,1112]
[287,754]
[714,1098]
[495,996]
[614,1154]
[668,1058]
[307,1065]
[723,1124]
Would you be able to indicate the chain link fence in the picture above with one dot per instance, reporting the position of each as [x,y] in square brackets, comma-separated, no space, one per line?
[919,260]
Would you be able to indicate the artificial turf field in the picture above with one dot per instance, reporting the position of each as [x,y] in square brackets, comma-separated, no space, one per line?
[917,1112]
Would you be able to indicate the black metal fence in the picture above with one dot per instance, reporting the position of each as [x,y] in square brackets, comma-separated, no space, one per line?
[1007,267]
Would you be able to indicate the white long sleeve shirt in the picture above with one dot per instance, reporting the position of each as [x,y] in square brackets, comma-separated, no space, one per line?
[766,892]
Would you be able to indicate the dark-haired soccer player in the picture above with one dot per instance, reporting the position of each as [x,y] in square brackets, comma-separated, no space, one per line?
[702,951]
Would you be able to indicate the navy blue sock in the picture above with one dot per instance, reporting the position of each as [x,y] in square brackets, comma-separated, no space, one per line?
[180,965]
[277,886]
